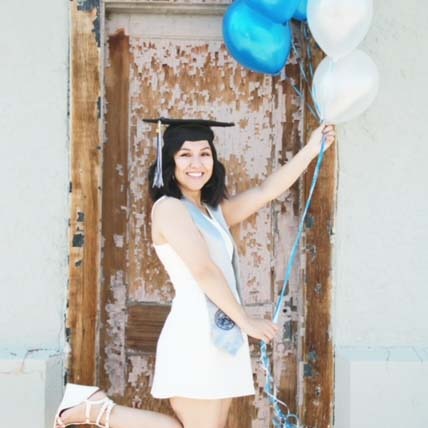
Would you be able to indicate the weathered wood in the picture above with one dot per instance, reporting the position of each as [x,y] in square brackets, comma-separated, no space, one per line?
[112,370]
[144,326]
[287,352]
[85,190]
[318,345]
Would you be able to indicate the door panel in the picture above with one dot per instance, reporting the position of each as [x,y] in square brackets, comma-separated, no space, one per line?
[178,66]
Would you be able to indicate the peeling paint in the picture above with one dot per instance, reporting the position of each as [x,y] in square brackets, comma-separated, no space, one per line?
[99,111]
[312,356]
[87,5]
[318,288]
[200,66]
[119,169]
[118,240]
[139,367]
[92,6]
[78,240]
[308,370]
[115,363]
[192,78]
[309,221]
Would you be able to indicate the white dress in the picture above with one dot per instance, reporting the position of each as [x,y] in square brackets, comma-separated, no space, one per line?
[187,363]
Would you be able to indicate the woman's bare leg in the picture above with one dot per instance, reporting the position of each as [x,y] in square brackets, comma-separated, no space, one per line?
[225,411]
[121,416]
[197,413]
[127,417]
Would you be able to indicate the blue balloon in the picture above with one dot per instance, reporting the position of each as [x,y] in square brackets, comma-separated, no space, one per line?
[277,10]
[300,13]
[254,40]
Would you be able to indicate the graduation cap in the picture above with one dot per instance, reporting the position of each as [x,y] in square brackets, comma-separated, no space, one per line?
[181,130]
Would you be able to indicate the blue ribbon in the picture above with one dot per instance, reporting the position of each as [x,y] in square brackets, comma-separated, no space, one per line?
[281,419]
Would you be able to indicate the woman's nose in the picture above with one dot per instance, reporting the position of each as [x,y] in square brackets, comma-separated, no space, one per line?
[195,161]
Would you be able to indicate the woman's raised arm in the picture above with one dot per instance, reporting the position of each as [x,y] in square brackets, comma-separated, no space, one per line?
[244,204]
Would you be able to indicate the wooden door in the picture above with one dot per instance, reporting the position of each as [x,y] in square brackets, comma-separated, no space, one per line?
[177,66]
[118,301]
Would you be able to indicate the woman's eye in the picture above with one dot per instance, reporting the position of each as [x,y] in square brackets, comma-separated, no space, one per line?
[206,154]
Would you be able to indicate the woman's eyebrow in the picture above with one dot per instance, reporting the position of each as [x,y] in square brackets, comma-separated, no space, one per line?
[189,150]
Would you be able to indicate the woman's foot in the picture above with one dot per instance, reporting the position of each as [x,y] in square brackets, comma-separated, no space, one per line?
[77,414]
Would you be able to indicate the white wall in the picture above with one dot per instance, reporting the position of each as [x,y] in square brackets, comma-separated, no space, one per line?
[380,267]
[34,176]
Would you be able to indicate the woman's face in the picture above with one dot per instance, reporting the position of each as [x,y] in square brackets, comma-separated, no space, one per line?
[193,165]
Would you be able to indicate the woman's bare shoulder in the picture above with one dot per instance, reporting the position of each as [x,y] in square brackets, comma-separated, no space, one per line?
[168,213]
[173,223]
[169,208]
[164,201]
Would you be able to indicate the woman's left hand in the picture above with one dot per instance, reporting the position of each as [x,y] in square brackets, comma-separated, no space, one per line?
[314,143]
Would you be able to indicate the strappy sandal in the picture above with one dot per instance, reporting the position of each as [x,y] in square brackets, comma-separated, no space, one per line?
[77,394]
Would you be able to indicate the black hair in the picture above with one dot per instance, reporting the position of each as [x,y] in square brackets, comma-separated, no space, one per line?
[213,192]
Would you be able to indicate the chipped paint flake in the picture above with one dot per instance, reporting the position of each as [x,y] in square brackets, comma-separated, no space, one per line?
[118,240]
[115,363]
[119,169]
[139,367]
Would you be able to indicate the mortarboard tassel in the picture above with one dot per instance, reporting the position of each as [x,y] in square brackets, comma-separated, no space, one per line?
[158,178]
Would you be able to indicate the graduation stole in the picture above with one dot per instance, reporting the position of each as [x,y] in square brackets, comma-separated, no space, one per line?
[225,334]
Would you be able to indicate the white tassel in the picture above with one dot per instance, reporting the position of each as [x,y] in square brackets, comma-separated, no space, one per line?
[158,177]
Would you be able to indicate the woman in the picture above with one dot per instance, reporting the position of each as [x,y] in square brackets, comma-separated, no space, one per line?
[202,358]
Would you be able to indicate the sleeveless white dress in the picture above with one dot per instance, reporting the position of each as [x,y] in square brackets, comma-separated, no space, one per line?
[187,363]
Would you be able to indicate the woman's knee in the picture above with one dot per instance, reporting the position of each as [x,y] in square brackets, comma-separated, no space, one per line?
[174,423]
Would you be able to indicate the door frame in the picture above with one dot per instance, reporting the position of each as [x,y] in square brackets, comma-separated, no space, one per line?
[86,135]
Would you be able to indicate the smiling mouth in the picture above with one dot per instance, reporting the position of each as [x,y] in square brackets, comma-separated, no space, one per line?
[195,174]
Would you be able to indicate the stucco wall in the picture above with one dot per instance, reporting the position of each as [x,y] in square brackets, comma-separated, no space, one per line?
[34,171]
[382,229]
[380,265]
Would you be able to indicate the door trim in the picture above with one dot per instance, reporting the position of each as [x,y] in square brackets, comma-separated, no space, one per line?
[85,189]
[318,350]
[138,6]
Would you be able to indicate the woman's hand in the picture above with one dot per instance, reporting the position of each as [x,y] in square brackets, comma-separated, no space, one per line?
[260,329]
[314,143]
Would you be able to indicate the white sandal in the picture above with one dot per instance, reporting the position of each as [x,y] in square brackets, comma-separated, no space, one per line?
[77,394]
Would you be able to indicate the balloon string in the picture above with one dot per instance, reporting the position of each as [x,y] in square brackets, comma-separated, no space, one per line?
[299,93]
[300,231]
[307,38]
[300,62]
[283,419]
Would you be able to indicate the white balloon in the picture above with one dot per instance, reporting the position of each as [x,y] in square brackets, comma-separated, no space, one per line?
[345,88]
[339,26]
